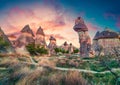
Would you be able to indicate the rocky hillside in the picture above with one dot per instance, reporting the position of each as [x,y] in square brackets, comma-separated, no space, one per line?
[5,44]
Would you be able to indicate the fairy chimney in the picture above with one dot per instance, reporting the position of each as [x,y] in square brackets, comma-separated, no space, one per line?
[84,38]
[40,38]
[52,45]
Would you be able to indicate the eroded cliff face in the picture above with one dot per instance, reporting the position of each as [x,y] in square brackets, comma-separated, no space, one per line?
[106,41]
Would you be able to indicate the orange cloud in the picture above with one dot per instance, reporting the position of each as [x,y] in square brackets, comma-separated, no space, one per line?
[57,36]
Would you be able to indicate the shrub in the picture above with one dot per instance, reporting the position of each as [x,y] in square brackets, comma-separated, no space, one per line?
[74,78]
[3,44]
[58,50]
[76,51]
[33,50]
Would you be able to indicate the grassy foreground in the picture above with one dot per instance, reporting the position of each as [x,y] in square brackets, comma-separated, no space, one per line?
[19,70]
[16,72]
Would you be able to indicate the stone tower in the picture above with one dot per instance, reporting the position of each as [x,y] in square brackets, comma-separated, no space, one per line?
[84,38]
[40,38]
[52,45]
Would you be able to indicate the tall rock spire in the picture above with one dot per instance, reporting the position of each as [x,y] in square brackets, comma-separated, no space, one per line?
[40,38]
[40,31]
[26,37]
[27,29]
[84,38]
[52,45]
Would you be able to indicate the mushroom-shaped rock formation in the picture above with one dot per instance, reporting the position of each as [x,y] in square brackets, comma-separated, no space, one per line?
[84,38]
[52,45]
[52,38]
[65,46]
[80,25]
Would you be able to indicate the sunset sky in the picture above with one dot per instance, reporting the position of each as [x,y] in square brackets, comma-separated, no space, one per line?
[56,17]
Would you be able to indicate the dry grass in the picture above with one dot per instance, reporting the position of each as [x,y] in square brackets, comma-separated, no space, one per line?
[5,62]
[46,62]
[74,78]
[31,77]
[20,73]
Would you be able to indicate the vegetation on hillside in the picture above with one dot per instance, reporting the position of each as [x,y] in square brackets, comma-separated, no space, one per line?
[76,50]
[3,44]
[60,50]
[100,70]
[33,50]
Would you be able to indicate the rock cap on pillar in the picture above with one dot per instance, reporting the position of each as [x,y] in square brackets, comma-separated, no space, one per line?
[52,38]
[80,25]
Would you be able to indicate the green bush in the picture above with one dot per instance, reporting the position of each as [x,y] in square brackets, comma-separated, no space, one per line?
[76,51]
[57,50]
[36,50]
[3,43]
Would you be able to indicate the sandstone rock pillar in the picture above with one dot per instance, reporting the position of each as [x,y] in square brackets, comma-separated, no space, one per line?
[84,38]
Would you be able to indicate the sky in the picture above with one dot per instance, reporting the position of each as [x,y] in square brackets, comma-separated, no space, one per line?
[57,17]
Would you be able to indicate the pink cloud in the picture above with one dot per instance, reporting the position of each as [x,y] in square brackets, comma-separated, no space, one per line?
[26,13]
[92,26]
[54,21]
